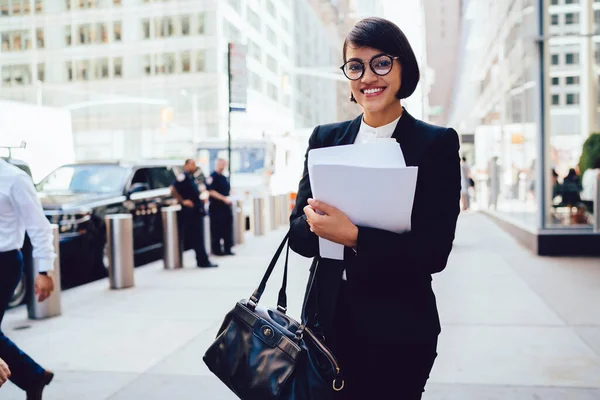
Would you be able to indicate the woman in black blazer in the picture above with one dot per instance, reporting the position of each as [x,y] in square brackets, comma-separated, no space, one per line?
[376,308]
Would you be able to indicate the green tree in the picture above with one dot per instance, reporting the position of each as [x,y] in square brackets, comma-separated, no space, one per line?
[590,151]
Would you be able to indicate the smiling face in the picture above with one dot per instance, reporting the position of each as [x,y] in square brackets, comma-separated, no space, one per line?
[375,93]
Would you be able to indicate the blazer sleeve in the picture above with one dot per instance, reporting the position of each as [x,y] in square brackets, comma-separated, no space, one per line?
[427,246]
[302,240]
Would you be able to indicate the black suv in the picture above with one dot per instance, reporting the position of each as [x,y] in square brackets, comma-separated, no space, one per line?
[77,197]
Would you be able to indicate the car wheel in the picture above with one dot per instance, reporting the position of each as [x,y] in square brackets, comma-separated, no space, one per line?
[19,293]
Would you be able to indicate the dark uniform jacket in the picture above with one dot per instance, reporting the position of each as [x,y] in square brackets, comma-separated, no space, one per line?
[220,184]
[389,276]
[187,187]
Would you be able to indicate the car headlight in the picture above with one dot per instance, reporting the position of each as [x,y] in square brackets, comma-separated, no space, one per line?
[71,221]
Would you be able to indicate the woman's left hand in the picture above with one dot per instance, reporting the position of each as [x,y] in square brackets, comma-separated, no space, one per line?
[330,223]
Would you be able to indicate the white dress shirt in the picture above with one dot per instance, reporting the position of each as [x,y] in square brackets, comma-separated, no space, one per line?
[367,133]
[587,183]
[20,211]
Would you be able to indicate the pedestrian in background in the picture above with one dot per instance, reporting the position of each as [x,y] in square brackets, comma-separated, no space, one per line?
[221,215]
[20,212]
[376,308]
[465,183]
[185,190]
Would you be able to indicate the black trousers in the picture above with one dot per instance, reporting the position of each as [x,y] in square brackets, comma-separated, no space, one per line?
[221,228]
[376,368]
[192,222]
[25,371]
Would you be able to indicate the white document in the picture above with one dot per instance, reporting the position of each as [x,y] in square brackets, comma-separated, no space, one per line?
[369,182]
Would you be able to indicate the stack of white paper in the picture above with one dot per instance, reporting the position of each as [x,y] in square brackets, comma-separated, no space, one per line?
[369,182]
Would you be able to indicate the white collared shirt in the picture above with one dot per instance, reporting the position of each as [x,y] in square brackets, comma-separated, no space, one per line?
[367,133]
[20,211]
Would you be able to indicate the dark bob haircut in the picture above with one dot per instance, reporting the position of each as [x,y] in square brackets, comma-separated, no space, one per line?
[384,35]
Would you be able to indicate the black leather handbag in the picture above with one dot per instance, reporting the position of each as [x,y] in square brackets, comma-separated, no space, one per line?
[262,354]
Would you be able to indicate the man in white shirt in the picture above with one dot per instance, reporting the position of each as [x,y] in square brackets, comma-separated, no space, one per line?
[20,211]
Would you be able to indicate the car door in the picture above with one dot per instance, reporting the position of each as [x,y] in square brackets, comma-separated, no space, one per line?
[139,189]
[161,179]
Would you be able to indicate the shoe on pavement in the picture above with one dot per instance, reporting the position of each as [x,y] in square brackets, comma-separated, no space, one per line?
[229,253]
[35,393]
[209,265]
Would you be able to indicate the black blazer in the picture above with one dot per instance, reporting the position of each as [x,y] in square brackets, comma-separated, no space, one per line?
[390,274]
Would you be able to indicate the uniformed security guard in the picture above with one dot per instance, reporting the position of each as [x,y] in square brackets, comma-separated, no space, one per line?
[221,217]
[185,190]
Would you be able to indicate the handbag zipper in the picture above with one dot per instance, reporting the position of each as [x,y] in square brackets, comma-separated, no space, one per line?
[324,349]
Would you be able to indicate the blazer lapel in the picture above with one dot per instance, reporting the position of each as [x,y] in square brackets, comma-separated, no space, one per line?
[349,136]
[404,135]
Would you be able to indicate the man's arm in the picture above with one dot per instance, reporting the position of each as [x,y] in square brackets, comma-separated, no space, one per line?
[29,208]
[219,196]
[180,200]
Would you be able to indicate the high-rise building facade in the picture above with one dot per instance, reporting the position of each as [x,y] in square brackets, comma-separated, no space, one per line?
[148,78]
[442,21]
[530,104]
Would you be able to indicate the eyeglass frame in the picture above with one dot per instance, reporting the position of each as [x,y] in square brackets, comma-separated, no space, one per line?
[370,65]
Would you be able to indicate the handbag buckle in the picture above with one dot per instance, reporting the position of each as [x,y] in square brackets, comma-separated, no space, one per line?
[281,308]
[338,389]
[253,302]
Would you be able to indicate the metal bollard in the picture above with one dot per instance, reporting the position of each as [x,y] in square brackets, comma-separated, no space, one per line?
[206,226]
[119,237]
[239,222]
[51,307]
[258,216]
[172,246]
[285,209]
[273,212]
[596,206]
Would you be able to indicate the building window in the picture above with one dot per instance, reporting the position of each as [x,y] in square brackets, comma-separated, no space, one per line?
[572,98]
[164,63]
[554,19]
[117,31]
[597,17]
[92,34]
[146,28]
[69,66]
[571,18]
[555,81]
[82,70]
[200,61]
[231,32]
[147,64]
[572,58]
[100,68]
[163,27]
[116,2]
[554,2]
[554,59]
[286,49]
[185,25]
[16,41]
[118,67]
[271,36]
[272,91]
[572,80]
[254,50]
[186,61]
[16,75]
[201,24]
[555,99]
[571,1]
[253,19]
[271,8]
[254,81]
[68,40]
[236,5]
[41,72]
[272,63]
[40,42]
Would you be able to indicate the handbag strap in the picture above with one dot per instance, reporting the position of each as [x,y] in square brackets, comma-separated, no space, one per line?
[305,320]
[282,298]
[255,298]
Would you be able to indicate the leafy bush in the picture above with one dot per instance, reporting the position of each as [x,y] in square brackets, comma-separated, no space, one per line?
[590,151]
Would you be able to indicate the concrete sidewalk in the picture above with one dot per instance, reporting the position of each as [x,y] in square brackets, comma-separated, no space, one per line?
[515,326]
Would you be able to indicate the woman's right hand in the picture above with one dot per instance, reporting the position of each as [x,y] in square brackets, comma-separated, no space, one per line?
[4,372]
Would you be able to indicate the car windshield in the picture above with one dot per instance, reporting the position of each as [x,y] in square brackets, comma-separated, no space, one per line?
[85,179]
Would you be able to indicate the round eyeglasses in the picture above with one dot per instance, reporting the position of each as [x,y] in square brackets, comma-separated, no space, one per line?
[381,65]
